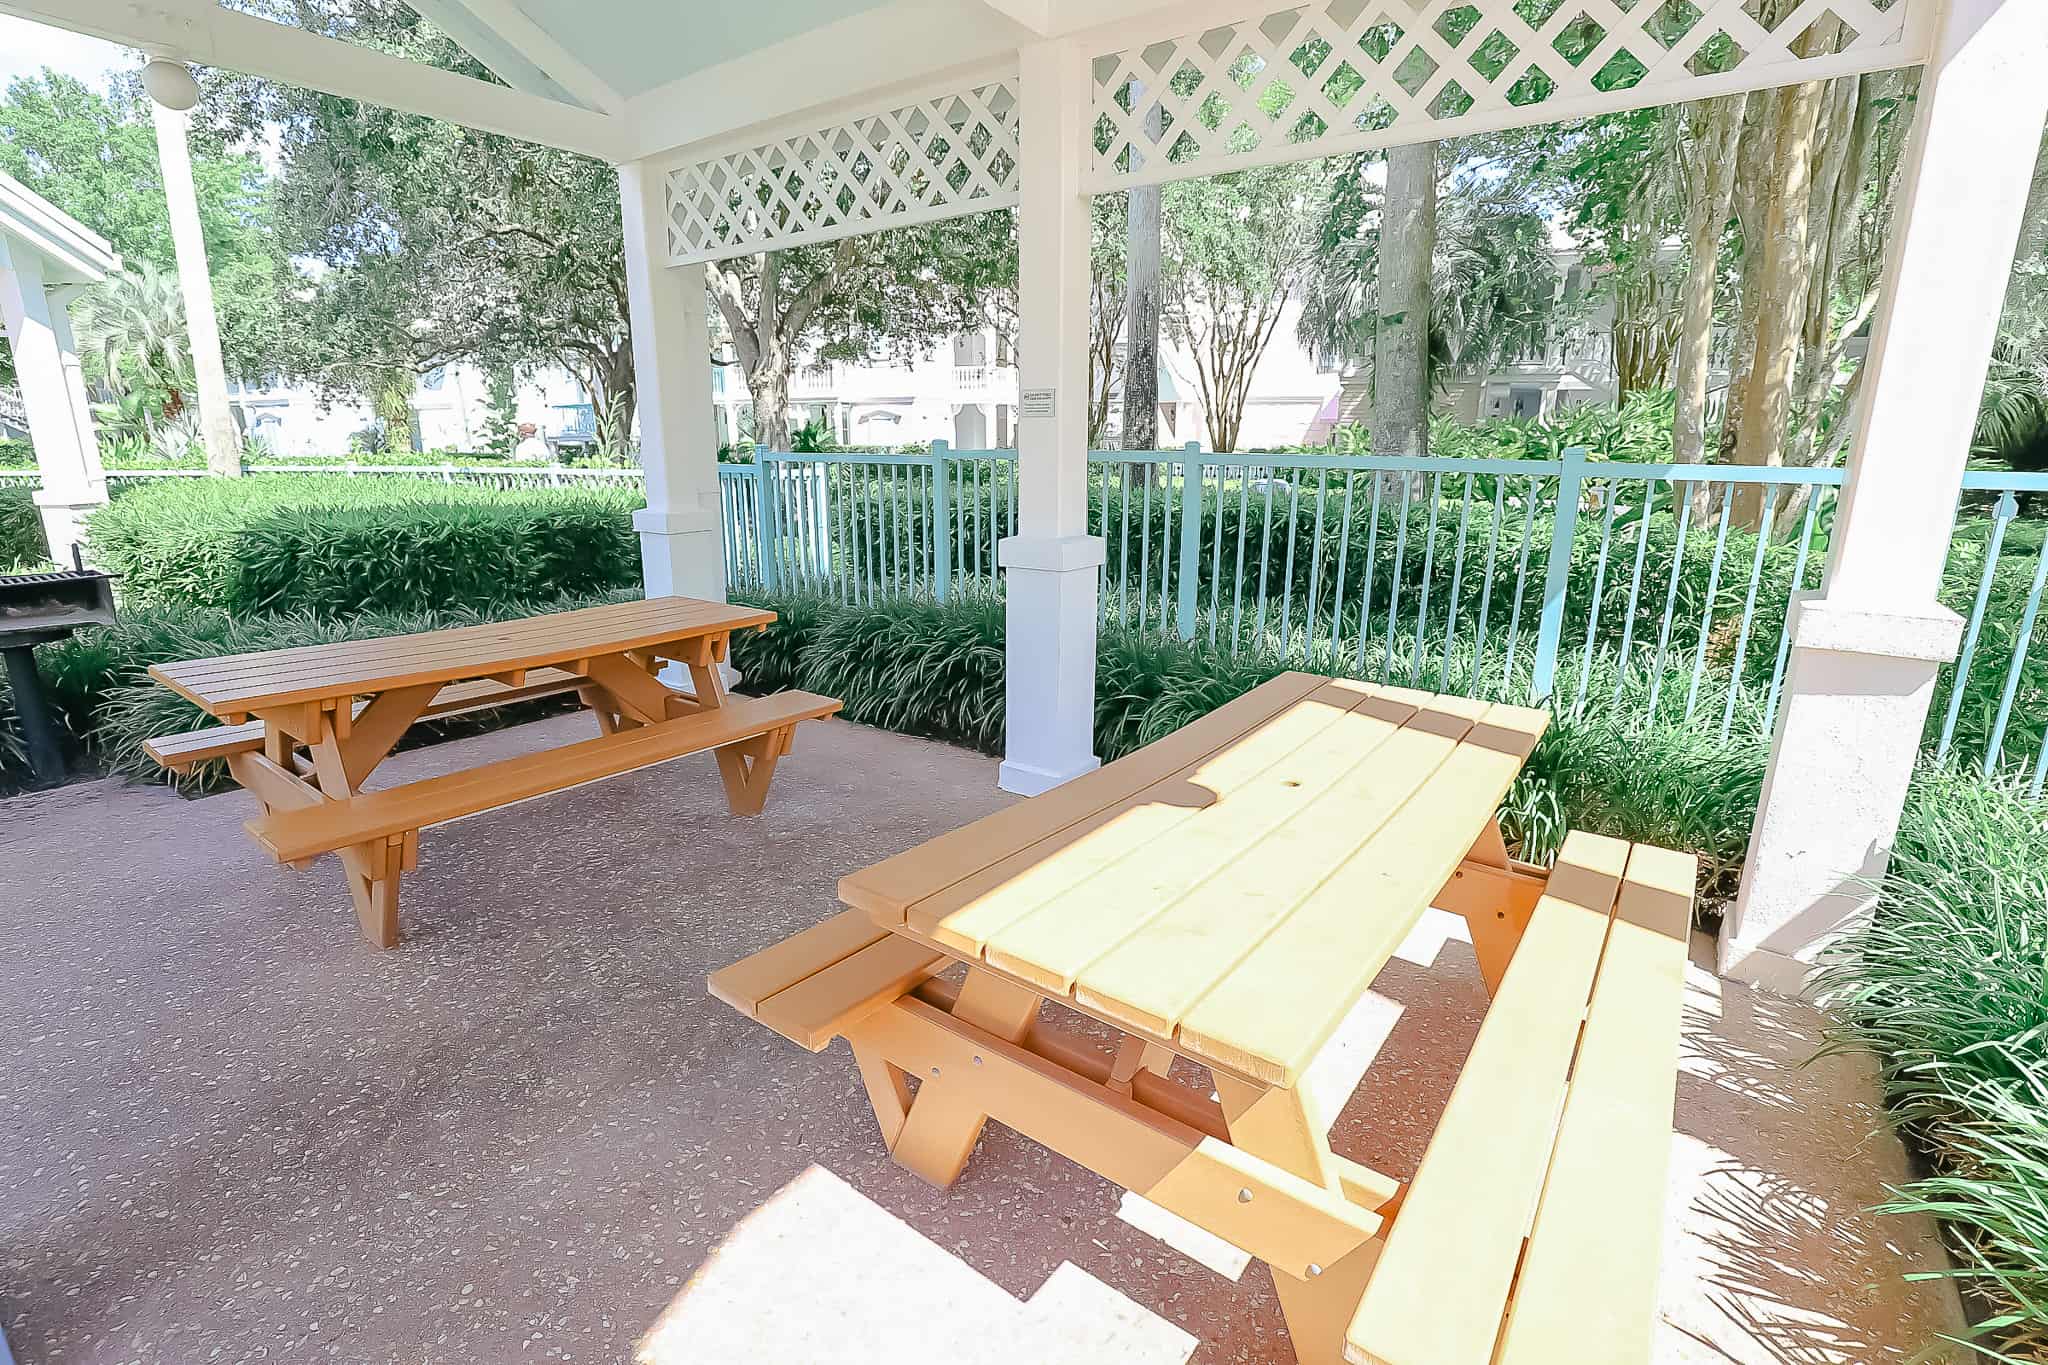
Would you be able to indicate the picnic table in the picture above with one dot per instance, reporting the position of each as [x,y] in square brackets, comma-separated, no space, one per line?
[1224,898]
[304,729]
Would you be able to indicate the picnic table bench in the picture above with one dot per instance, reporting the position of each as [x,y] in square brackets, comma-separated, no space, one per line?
[304,728]
[1226,896]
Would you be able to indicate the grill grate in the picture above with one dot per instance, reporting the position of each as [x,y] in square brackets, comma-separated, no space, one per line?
[30,580]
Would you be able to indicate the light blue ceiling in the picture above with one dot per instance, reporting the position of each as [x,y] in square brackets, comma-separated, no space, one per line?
[636,45]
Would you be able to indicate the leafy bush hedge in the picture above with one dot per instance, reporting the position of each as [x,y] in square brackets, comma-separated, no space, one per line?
[21,529]
[98,680]
[338,546]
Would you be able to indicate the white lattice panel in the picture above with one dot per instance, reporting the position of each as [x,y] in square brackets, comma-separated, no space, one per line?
[1335,75]
[932,158]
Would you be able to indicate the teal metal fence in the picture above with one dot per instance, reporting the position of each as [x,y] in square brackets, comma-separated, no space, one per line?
[1655,590]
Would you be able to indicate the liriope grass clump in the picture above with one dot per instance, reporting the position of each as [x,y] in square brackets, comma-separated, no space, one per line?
[21,530]
[1947,988]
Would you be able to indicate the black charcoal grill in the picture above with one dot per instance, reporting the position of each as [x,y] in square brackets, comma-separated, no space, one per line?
[36,608]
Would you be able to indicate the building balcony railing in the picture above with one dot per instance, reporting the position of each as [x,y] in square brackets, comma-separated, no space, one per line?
[814,381]
[985,381]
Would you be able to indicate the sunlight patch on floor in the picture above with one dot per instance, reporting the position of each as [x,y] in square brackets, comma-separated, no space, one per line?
[1197,1244]
[823,1273]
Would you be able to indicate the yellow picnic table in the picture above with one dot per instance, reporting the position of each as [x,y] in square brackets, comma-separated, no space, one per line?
[1227,895]
[305,728]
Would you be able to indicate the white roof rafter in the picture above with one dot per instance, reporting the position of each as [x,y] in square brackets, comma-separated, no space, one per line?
[522,53]
[200,31]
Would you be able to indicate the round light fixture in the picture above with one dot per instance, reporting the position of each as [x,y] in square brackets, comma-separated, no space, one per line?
[170,84]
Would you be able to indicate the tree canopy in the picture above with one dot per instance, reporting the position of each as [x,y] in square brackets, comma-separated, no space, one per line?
[94,156]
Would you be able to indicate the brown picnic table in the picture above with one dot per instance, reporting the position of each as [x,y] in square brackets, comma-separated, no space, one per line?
[1225,897]
[303,729]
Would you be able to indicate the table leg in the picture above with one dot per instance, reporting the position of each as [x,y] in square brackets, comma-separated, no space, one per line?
[1133,1055]
[1496,900]
[341,762]
[1280,1126]
[943,1123]
[747,767]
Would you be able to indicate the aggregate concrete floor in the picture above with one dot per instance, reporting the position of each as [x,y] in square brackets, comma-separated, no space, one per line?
[231,1132]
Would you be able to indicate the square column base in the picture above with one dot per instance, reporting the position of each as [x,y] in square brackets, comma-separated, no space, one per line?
[1858,686]
[1049,678]
[682,553]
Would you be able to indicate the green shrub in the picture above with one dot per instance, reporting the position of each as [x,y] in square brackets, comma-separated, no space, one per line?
[21,529]
[17,455]
[1948,988]
[336,546]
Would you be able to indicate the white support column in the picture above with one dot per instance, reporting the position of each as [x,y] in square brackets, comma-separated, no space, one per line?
[202,325]
[59,423]
[1867,646]
[681,550]
[1052,561]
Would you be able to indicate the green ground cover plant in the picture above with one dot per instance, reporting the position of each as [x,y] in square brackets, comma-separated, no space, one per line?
[338,546]
[1948,989]
[21,530]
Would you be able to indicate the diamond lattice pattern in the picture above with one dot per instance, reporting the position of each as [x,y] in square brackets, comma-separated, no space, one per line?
[936,158]
[1339,74]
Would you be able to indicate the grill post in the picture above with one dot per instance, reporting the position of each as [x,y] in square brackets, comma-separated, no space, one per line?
[38,726]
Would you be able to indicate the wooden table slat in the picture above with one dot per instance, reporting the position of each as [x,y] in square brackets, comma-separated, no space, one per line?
[889,888]
[229,663]
[1586,1290]
[351,668]
[1276,1007]
[486,639]
[1151,979]
[1495,1134]
[1065,869]
[1257,789]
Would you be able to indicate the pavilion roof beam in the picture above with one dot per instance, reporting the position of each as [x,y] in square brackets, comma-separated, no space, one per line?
[1036,15]
[202,32]
[522,53]
[860,58]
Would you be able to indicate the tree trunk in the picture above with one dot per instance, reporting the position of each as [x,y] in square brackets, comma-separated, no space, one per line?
[1400,390]
[1781,302]
[1711,189]
[1755,161]
[768,386]
[2033,248]
[1141,365]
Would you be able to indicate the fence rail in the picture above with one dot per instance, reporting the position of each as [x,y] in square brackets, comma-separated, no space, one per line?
[1657,590]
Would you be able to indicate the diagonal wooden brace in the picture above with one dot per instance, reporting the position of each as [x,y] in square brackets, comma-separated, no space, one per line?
[1251,1203]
